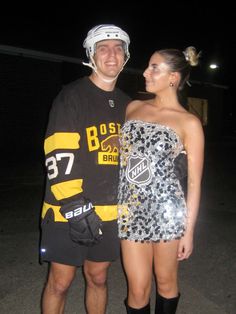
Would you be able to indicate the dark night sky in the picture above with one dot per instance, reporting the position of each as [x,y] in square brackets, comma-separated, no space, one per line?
[151,26]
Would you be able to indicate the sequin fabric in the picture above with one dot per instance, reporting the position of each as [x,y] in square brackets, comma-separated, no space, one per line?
[151,203]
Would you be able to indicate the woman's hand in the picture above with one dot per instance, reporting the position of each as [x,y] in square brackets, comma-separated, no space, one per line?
[185,246]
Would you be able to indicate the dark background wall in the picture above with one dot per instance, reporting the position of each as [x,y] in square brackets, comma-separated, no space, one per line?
[28,87]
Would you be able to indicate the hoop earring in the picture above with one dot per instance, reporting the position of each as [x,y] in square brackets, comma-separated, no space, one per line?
[171,84]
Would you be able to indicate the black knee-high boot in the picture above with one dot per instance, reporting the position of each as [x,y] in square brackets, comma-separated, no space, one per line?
[166,306]
[143,310]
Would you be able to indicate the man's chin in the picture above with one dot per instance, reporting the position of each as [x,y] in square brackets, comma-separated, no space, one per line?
[112,74]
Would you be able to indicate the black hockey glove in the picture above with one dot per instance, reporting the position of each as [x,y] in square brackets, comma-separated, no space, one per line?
[85,224]
[180,168]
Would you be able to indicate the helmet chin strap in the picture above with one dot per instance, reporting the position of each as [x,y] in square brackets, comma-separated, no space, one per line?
[93,66]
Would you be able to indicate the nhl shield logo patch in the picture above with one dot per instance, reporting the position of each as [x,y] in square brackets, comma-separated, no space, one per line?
[138,170]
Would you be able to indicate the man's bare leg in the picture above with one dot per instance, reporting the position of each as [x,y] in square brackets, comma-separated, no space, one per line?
[54,295]
[96,286]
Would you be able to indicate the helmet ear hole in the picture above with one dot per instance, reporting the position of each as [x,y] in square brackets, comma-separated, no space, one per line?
[104,32]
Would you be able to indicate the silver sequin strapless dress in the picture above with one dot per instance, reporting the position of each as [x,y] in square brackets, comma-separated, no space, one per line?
[151,203]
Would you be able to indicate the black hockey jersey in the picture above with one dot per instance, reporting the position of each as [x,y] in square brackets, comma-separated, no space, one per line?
[81,148]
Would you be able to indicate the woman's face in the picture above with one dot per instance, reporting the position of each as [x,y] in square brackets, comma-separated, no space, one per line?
[157,74]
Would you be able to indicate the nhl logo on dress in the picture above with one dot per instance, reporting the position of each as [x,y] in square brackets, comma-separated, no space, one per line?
[138,170]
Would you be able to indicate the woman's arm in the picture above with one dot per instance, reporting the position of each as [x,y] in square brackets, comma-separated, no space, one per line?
[194,146]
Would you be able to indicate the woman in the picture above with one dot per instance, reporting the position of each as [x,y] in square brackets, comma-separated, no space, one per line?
[156,223]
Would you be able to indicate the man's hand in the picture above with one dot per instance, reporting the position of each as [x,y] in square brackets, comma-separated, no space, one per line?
[85,224]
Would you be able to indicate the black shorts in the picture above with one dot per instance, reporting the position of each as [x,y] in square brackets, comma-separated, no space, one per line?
[57,246]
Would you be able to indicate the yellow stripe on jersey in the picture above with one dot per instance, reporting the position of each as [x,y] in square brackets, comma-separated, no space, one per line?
[56,209]
[67,189]
[106,213]
[63,140]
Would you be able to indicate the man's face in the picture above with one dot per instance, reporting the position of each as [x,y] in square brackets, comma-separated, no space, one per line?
[109,57]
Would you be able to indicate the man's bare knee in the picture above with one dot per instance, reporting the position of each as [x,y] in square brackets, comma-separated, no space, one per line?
[96,279]
[58,286]
[60,279]
[96,275]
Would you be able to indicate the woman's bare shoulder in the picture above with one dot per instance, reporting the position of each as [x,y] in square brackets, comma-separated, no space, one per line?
[192,119]
[191,124]
[133,105]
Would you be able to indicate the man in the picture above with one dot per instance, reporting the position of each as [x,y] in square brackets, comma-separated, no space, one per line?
[81,149]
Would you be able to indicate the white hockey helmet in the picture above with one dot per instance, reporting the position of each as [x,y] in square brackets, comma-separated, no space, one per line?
[104,32]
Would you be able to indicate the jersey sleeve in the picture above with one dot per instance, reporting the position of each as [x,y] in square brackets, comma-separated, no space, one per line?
[62,151]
